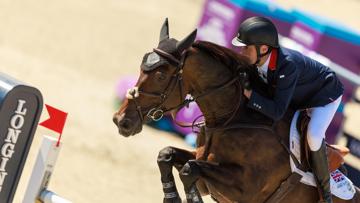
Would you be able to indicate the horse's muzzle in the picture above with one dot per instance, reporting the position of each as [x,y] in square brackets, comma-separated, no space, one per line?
[126,125]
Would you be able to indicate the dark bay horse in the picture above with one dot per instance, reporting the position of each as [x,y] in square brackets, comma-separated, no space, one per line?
[239,157]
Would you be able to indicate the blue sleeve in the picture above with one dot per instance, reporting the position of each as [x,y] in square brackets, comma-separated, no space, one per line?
[275,108]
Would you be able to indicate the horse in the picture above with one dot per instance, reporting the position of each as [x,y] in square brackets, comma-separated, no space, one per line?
[240,156]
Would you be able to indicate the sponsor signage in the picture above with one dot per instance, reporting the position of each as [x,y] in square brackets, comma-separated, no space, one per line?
[20,110]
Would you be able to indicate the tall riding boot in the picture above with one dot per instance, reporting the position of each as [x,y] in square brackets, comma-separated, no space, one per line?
[320,168]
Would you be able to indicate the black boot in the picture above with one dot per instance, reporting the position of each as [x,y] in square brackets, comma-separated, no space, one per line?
[320,168]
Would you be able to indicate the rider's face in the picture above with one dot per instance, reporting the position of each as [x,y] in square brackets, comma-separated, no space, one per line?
[249,51]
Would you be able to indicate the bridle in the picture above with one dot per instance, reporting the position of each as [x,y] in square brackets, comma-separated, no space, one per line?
[157,112]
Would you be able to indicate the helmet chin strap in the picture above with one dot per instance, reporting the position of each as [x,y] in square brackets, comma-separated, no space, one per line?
[259,55]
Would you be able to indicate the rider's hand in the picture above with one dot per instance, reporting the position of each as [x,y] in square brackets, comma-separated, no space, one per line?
[244,80]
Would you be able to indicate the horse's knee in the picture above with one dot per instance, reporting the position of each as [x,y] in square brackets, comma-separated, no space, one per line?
[166,156]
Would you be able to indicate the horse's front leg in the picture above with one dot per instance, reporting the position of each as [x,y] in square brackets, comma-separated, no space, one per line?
[167,158]
[189,174]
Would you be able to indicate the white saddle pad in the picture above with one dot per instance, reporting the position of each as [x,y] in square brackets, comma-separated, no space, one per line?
[340,185]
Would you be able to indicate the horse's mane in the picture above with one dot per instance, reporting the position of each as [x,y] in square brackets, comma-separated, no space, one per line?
[228,57]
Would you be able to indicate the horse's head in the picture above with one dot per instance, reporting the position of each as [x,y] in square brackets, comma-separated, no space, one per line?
[158,89]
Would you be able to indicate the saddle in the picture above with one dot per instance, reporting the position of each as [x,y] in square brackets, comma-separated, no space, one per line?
[335,153]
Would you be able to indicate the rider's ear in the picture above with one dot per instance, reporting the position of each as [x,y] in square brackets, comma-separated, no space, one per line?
[164,32]
[264,49]
[186,42]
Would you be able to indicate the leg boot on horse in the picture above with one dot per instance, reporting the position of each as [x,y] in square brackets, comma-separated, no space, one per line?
[189,174]
[167,158]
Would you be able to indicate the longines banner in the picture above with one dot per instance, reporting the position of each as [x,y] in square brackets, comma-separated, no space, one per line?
[20,110]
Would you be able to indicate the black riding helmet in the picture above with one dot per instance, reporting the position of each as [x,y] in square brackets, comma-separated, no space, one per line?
[257,31]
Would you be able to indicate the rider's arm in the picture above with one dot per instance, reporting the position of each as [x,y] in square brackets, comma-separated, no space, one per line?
[275,108]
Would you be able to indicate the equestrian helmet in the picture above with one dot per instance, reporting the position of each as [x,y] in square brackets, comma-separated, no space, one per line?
[257,31]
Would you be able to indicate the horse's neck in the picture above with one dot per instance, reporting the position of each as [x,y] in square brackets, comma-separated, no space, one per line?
[206,77]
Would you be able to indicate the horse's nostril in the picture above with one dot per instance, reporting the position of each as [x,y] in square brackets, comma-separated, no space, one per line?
[117,118]
[125,123]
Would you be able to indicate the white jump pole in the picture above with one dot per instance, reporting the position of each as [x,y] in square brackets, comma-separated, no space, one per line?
[50,197]
[45,163]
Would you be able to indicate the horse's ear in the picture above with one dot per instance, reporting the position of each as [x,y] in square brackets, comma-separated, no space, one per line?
[186,42]
[164,32]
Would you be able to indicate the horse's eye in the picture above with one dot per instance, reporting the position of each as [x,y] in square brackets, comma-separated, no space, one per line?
[160,75]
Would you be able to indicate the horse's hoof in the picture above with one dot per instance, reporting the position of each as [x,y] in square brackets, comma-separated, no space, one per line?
[172,200]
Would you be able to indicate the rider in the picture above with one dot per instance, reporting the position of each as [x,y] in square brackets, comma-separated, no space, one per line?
[297,81]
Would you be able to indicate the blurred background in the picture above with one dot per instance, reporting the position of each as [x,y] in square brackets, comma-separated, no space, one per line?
[82,55]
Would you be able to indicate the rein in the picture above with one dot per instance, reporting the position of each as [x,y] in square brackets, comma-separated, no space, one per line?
[218,88]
